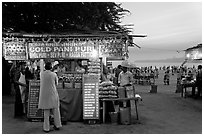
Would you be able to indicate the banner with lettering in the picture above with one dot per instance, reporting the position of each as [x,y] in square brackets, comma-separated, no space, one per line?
[70,49]
[14,49]
[24,48]
[112,48]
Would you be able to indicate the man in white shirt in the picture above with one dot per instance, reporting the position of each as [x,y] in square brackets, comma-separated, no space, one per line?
[125,77]
[49,98]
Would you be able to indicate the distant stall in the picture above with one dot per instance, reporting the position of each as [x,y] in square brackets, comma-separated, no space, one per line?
[194,53]
[187,81]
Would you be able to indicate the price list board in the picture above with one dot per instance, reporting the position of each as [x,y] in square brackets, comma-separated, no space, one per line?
[91,96]
[33,98]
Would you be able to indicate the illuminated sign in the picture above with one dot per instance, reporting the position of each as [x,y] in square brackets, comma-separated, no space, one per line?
[21,49]
[112,48]
[61,50]
[14,50]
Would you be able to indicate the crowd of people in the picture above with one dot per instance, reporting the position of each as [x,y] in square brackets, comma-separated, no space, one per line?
[182,72]
[135,73]
[122,75]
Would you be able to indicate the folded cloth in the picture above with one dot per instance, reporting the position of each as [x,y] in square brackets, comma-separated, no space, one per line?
[138,96]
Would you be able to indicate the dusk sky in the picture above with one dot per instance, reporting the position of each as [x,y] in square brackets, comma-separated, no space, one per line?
[169,26]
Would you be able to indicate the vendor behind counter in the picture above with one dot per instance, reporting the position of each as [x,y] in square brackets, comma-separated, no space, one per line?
[70,92]
[67,66]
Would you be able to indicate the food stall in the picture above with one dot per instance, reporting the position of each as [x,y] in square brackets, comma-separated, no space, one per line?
[78,59]
[188,81]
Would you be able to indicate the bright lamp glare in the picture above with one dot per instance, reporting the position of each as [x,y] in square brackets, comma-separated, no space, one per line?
[94,54]
[199,55]
[188,55]
[196,55]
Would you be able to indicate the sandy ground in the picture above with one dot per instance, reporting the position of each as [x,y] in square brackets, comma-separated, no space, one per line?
[164,112]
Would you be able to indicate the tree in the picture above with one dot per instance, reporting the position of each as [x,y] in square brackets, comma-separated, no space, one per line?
[42,17]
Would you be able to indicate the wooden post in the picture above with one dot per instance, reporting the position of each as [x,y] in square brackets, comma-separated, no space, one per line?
[73,65]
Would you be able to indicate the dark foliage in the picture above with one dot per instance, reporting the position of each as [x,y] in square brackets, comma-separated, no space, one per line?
[49,17]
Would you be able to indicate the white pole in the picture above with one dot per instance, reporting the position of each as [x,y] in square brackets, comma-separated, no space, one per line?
[104,60]
[41,65]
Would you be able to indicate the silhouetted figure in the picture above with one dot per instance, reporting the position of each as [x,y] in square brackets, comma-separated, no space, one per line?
[199,80]
[6,85]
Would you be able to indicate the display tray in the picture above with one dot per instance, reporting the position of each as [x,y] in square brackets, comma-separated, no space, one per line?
[70,80]
[77,85]
[68,85]
[60,85]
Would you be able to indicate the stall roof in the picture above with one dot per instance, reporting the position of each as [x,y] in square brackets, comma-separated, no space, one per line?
[67,34]
[79,33]
[194,47]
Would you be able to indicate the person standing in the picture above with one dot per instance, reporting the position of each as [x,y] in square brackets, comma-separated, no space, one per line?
[19,87]
[117,72]
[49,98]
[167,77]
[125,77]
[6,86]
[22,86]
[199,80]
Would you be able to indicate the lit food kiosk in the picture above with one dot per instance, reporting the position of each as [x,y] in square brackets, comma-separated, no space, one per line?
[79,59]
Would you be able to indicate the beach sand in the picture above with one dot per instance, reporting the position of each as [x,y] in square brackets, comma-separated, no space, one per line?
[164,112]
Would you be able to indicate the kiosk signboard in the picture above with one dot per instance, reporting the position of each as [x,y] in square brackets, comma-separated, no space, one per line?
[33,98]
[91,96]
[61,50]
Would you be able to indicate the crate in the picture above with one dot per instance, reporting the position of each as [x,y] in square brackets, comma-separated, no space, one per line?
[153,89]
[125,116]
